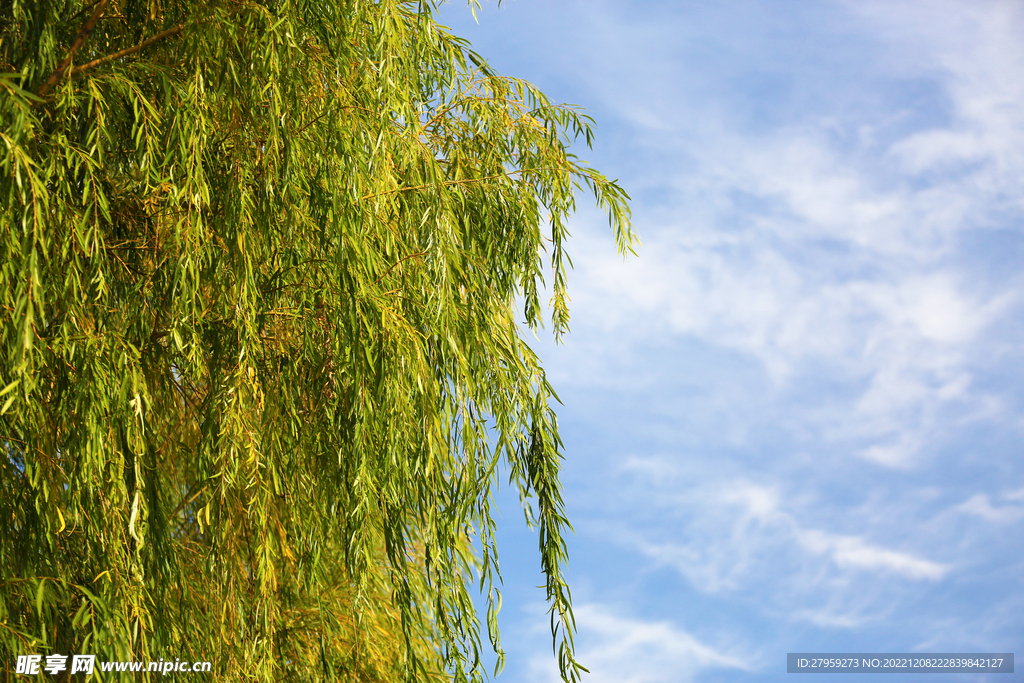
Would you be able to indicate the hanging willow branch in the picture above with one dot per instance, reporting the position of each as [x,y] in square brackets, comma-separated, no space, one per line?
[80,39]
[128,50]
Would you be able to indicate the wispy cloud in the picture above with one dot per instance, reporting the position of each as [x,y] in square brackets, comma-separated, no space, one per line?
[981,506]
[853,552]
[735,530]
[620,649]
[827,244]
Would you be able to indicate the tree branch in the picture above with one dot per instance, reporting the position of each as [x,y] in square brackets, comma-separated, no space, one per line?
[397,263]
[445,183]
[128,50]
[58,73]
[186,499]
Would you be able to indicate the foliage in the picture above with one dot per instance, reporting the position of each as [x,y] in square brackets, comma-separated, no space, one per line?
[261,270]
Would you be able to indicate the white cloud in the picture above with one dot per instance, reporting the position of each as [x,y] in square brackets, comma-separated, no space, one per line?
[981,506]
[907,337]
[618,649]
[827,245]
[1014,495]
[732,537]
[854,552]
[900,454]
[827,618]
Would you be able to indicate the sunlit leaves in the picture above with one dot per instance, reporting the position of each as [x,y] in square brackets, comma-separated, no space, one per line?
[260,273]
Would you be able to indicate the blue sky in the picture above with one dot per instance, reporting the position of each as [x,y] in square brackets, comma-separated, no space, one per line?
[794,422]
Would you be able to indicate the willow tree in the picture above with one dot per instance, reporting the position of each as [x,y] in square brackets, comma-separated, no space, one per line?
[264,266]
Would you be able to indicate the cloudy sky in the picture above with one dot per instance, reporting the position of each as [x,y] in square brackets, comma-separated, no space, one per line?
[794,423]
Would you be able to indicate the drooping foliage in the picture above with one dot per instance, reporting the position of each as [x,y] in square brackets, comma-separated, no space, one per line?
[261,272]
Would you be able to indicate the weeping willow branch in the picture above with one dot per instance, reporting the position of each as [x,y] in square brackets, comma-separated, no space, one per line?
[83,35]
[128,50]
